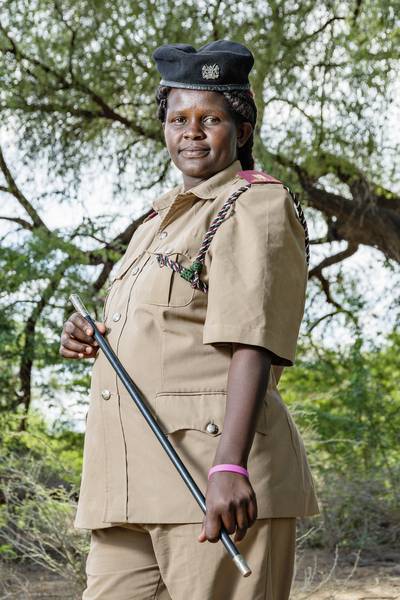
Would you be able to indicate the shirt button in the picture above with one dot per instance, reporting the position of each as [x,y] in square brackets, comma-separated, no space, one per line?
[212,428]
[169,251]
[105,394]
[163,235]
[135,270]
[116,317]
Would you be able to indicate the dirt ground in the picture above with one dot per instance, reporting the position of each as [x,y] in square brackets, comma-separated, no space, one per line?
[319,575]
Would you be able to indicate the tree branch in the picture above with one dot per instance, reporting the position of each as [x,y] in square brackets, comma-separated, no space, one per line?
[293,104]
[58,108]
[28,349]
[214,18]
[333,260]
[21,222]
[118,244]
[328,316]
[357,10]
[107,111]
[325,285]
[16,192]
[326,289]
[361,189]
[358,222]
[102,278]
[324,26]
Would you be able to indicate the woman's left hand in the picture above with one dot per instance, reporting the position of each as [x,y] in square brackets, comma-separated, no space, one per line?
[230,500]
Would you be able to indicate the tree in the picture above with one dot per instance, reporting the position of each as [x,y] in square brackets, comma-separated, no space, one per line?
[76,92]
[348,402]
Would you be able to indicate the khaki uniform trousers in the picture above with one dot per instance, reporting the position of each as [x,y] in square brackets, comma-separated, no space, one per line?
[166,562]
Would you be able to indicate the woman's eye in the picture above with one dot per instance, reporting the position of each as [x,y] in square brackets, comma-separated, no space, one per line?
[211,120]
[179,120]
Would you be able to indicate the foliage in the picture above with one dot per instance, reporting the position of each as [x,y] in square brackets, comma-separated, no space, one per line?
[37,509]
[57,449]
[76,94]
[346,402]
[84,84]
[352,400]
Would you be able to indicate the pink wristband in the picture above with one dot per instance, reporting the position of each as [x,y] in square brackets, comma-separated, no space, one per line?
[232,468]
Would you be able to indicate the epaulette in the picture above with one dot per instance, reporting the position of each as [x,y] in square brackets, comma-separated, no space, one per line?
[257,177]
[151,216]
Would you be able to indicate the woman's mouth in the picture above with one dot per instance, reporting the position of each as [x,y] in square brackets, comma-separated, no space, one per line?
[194,152]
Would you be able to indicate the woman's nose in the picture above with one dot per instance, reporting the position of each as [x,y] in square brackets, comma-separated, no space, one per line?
[194,131]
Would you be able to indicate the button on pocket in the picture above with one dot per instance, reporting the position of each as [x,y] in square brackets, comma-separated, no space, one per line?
[212,428]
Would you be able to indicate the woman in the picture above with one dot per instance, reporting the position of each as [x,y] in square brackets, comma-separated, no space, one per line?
[205,339]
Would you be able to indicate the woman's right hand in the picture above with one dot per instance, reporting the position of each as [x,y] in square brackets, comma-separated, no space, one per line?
[77,339]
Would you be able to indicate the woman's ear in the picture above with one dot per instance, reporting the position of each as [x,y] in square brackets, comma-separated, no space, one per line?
[163,126]
[244,132]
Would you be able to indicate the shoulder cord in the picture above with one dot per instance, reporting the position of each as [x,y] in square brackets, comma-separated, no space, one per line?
[303,221]
[192,274]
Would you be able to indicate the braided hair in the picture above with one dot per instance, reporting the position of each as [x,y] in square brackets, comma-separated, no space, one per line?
[244,110]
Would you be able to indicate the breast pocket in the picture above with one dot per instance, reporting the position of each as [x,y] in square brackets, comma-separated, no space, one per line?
[123,271]
[162,286]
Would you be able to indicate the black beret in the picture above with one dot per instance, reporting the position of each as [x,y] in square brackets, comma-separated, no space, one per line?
[218,66]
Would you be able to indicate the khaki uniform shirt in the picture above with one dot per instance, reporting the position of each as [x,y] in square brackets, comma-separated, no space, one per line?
[176,343]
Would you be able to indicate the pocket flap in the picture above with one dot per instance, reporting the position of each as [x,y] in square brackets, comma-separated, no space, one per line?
[164,287]
[124,267]
[204,412]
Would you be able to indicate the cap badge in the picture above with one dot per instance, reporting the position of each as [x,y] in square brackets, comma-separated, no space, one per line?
[210,71]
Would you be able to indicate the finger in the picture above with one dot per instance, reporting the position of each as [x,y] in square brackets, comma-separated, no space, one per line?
[76,346]
[86,328]
[229,521]
[80,322]
[252,511]
[69,354]
[79,329]
[212,527]
[202,537]
[242,523]
[101,327]
[66,353]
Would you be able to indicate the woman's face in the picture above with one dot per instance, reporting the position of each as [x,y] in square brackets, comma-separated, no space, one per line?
[201,134]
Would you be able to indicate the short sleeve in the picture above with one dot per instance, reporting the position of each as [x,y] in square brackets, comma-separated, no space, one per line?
[258,274]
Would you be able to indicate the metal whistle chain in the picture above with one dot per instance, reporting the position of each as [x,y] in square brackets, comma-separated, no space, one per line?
[160,435]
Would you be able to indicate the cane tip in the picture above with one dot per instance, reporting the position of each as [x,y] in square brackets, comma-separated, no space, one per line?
[242,565]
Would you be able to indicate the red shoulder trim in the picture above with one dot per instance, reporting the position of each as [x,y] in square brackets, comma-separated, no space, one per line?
[257,177]
[151,216]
